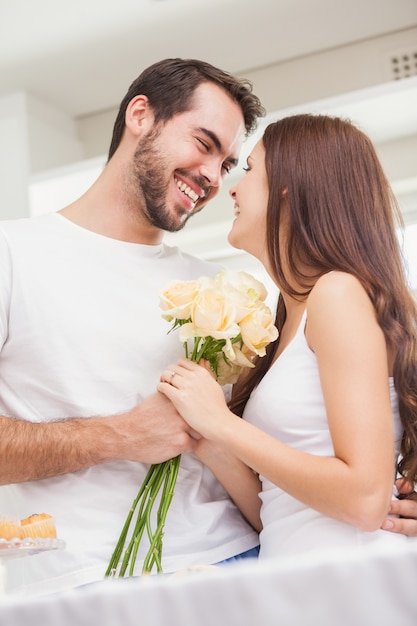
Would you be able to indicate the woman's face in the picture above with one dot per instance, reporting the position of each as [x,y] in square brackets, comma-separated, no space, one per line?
[250,197]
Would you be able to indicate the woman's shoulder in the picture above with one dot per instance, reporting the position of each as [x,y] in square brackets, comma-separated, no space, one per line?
[336,287]
[337,281]
[338,294]
[337,301]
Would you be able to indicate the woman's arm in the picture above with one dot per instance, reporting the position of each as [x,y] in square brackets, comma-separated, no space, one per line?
[352,359]
[240,482]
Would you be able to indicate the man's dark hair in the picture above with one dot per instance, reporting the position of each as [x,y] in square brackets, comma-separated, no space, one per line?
[170,84]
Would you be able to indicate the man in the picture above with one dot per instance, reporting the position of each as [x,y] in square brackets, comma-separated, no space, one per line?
[83,343]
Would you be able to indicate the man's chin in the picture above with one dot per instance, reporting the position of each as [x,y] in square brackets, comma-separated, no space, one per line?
[175,227]
[200,208]
[185,217]
[195,210]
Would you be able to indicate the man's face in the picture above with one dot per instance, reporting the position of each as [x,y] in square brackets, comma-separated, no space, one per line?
[178,166]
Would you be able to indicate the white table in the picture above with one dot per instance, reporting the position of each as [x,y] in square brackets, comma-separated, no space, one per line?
[368,588]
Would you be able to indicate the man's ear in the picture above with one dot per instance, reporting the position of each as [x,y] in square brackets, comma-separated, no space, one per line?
[139,116]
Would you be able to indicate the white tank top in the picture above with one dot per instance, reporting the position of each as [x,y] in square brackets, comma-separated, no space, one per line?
[289,405]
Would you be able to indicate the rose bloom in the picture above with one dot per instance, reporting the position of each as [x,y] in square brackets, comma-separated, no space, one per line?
[241,289]
[238,357]
[258,329]
[227,373]
[242,282]
[176,300]
[238,353]
[212,315]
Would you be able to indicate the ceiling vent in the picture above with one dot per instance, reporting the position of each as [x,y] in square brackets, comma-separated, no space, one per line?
[403,64]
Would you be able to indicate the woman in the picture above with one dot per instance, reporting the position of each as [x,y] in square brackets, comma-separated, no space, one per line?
[325,411]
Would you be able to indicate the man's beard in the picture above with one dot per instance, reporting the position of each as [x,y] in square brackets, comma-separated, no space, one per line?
[149,177]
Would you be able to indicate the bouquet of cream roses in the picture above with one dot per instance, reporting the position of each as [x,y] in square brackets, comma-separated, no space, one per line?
[225,321]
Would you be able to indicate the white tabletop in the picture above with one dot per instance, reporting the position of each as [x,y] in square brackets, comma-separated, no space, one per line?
[366,588]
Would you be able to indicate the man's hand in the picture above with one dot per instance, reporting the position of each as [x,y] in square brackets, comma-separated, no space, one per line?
[406,508]
[152,432]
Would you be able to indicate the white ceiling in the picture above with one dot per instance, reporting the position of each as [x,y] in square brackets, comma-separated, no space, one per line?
[80,55]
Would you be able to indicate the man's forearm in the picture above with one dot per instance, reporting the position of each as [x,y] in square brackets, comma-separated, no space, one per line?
[31,451]
[151,432]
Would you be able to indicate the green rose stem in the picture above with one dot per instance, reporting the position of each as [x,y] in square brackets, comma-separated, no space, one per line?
[160,476]
[155,550]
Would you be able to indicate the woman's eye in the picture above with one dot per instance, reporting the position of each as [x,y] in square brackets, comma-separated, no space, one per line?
[246,169]
[226,168]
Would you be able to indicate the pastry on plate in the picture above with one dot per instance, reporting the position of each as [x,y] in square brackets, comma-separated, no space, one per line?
[38,525]
[10,528]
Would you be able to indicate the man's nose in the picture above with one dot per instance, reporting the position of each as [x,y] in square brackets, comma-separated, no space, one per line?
[212,172]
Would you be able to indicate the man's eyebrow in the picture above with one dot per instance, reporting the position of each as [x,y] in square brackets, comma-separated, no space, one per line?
[214,138]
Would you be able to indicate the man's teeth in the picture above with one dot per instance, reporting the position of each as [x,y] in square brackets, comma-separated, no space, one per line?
[187,190]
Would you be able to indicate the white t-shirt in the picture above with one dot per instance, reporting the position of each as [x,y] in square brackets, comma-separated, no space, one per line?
[81,335]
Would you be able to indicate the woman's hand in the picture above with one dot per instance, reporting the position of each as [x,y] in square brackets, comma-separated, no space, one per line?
[406,508]
[196,395]
[200,400]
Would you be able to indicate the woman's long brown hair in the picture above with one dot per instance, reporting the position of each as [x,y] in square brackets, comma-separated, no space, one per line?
[342,215]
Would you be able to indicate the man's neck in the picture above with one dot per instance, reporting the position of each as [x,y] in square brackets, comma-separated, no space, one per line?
[111,217]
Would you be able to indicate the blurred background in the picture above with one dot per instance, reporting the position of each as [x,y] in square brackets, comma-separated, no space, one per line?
[65,66]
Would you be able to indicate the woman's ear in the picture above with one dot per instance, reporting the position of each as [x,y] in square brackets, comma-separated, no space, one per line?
[284,192]
[139,116]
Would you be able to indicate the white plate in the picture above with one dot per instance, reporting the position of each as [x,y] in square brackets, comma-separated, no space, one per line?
[26,547]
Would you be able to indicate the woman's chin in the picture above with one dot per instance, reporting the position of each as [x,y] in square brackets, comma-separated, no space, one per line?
[234,240]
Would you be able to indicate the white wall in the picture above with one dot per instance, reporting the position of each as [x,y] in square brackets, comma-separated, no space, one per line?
[14,157]
[33,136]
